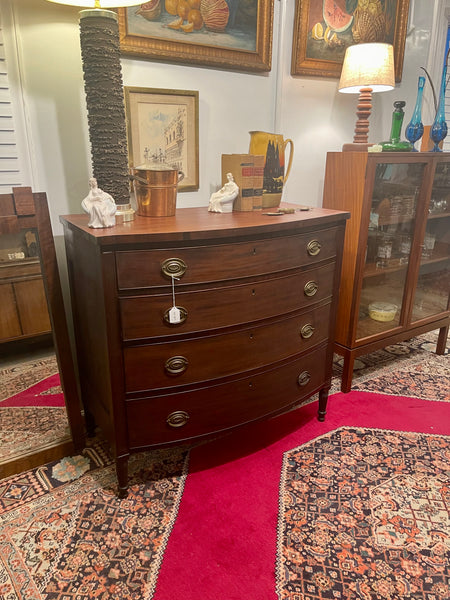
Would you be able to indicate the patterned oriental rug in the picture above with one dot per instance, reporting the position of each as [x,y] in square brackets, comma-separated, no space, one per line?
[356,507]
[32,412]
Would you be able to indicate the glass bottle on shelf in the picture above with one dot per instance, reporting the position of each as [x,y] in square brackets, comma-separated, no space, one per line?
[384,250]
[439,129]
[414,129]
[394,144]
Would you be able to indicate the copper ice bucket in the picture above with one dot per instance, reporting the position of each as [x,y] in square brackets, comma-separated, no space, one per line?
[156,190]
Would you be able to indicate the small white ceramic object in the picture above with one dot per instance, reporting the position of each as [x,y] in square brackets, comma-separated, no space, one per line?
[100,207]
[222,200]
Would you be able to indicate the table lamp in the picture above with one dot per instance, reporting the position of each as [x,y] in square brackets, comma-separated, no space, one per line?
[100,52]
[367,68]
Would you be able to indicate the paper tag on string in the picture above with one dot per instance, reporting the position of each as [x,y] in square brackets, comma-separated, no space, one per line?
[174,312]
[174,315]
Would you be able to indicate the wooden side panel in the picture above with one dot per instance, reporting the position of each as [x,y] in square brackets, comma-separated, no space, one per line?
[23,201]
[9,316]
[9,224]
[32,304]
[88,306]
[6,205]
[344,190]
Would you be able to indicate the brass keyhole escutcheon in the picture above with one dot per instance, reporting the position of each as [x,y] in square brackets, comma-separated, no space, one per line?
[177,418]
[307,331]
[176,365]
[304,378]
[173,267]
[313,247]
[311,288]
[183,316]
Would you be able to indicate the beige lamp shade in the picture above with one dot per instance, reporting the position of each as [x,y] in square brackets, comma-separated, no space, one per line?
[98,3]
[368,66]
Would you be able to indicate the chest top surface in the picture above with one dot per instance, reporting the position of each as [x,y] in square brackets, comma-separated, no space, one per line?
[199,224]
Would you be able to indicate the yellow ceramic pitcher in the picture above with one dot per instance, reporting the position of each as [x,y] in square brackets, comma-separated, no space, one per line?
[272,146]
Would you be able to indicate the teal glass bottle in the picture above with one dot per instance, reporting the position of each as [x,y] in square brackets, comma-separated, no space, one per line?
[439,128]
[414,129]
[394,144]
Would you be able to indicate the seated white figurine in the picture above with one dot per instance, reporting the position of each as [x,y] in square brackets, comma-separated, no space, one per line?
[100,206]
[222,200]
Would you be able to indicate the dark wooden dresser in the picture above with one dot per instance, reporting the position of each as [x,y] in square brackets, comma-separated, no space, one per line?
[256,300]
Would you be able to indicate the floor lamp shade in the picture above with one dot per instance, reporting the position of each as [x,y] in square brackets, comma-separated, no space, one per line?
[98,3]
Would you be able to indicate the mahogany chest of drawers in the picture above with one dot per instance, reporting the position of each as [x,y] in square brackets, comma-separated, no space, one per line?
[252,334]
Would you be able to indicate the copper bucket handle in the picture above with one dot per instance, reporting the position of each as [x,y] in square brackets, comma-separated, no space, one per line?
[145,182]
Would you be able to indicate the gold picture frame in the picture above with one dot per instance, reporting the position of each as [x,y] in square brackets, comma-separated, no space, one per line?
[244,45]
[318,49]
[162,127]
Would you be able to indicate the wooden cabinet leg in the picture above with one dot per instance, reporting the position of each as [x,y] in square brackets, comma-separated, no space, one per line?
[442,340]
[90,423]
[323,400]
[347,373]
[122,475]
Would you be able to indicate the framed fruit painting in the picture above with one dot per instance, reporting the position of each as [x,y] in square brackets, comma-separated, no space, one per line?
[324,28]
[229,34]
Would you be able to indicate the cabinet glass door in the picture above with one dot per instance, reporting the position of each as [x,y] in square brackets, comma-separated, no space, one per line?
[390,237]
[433,285]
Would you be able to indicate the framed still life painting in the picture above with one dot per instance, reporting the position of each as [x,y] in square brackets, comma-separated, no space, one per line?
[229,34]
[162,128]
[324,28]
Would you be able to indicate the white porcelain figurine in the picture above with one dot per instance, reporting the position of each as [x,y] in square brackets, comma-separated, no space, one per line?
[100,206]
[222,200]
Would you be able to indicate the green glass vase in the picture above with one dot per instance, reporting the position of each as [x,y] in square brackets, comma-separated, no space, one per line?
[394,144]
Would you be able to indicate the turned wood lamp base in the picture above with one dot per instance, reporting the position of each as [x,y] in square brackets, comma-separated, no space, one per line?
[361,135]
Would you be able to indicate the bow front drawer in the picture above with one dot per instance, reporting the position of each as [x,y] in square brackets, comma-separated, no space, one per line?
[178,363]
[217,307]
[175,417]
[213,263]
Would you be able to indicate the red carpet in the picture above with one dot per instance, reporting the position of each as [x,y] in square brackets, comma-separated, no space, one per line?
[224,541]
[47,392]
[210,534]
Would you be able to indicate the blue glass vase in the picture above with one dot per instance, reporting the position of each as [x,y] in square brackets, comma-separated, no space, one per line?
[414,129]
[439,128]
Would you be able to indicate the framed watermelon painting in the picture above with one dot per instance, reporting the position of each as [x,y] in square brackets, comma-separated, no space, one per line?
[228,34]
[324,28]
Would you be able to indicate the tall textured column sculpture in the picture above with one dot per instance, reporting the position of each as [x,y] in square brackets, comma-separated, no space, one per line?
[100,50]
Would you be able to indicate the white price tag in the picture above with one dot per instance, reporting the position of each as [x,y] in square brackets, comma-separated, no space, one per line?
[174,315]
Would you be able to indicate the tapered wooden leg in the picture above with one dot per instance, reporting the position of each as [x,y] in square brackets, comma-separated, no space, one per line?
[90,423]
[347,373]
[323,400]
[122,475]
[442,340]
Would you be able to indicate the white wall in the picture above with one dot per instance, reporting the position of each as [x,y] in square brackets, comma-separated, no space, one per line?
[308,110]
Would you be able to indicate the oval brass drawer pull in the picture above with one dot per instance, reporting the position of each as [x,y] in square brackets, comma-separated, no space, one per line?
[304,378]
[175,365]
[183,316]
[313,248]
[173,267]
[311,288]
[177,418]
[307,331]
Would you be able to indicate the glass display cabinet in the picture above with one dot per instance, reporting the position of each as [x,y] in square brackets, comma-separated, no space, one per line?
[396,269]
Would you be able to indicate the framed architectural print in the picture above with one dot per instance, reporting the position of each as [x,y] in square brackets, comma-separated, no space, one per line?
[229,34]
[162,128]
[324,28]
